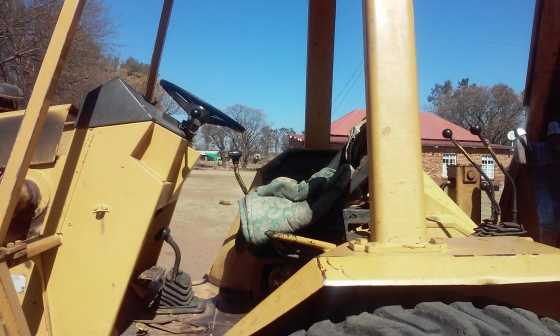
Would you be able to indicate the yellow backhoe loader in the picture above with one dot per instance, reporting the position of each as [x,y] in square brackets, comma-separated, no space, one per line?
[87,194]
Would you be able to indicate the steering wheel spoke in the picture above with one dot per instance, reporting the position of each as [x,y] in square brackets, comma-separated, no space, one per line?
[199,111]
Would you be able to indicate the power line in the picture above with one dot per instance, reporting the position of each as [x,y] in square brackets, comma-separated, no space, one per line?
[349,89]
[350,79]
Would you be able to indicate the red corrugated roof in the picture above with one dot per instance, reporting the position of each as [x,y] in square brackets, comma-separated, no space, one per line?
[431,126]
[344,124]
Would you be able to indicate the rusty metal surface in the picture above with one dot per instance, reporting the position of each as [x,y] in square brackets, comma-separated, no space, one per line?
[464,190]
[214,321]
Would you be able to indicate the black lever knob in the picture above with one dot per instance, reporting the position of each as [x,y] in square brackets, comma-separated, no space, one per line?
[476,130]
[235,156]
[447,133]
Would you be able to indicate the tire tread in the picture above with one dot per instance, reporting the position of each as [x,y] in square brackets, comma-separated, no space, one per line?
[438,318]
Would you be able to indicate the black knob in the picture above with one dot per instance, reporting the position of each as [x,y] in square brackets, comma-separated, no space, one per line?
[235,156]
[447,133]
[476,130]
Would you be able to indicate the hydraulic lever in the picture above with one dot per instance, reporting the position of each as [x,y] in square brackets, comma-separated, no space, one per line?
[476,130]
[235,156]
[519,141]
[448,134]
[166,236]
[518,134]
[170,292]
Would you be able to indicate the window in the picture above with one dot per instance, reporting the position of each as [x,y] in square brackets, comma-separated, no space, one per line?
[449,159]
[488,165]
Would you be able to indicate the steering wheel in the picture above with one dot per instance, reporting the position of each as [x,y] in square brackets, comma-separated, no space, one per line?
[199,111]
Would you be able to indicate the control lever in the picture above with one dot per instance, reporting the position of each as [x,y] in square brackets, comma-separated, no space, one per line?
[476,130]
[170,292]
[235,156]
[519,135]
[166,236]
[489,190]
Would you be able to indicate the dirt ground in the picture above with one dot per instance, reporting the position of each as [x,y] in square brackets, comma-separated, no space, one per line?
[200,223]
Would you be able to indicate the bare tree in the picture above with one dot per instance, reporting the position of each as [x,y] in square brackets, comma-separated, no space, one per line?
[283,137]
[497,109]
[253,120]
[277,138]
[25,31]
[259,136]
[215,137]
[267,135]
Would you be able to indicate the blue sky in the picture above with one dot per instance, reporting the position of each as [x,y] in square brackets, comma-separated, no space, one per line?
[253,52]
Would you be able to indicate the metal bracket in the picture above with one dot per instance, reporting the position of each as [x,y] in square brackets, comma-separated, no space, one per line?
[355,217]
[13,250]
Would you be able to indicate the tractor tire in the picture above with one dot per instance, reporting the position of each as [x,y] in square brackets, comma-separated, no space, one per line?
[437,318]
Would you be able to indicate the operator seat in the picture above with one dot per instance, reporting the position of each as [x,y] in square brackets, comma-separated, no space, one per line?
[293,198]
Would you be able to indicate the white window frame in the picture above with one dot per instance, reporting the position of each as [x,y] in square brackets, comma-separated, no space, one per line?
[488,165]
[447,159]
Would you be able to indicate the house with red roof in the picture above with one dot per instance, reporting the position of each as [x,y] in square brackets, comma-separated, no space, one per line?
[437,152]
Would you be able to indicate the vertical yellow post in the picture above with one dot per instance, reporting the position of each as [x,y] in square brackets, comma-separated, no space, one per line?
[320,54]
[395,168]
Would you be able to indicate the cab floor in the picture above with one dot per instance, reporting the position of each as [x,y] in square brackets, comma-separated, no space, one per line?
[217,319]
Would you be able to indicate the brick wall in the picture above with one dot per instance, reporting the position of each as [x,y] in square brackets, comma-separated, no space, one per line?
[432,160]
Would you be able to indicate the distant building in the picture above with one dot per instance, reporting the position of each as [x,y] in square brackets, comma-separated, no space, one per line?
[437,152]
